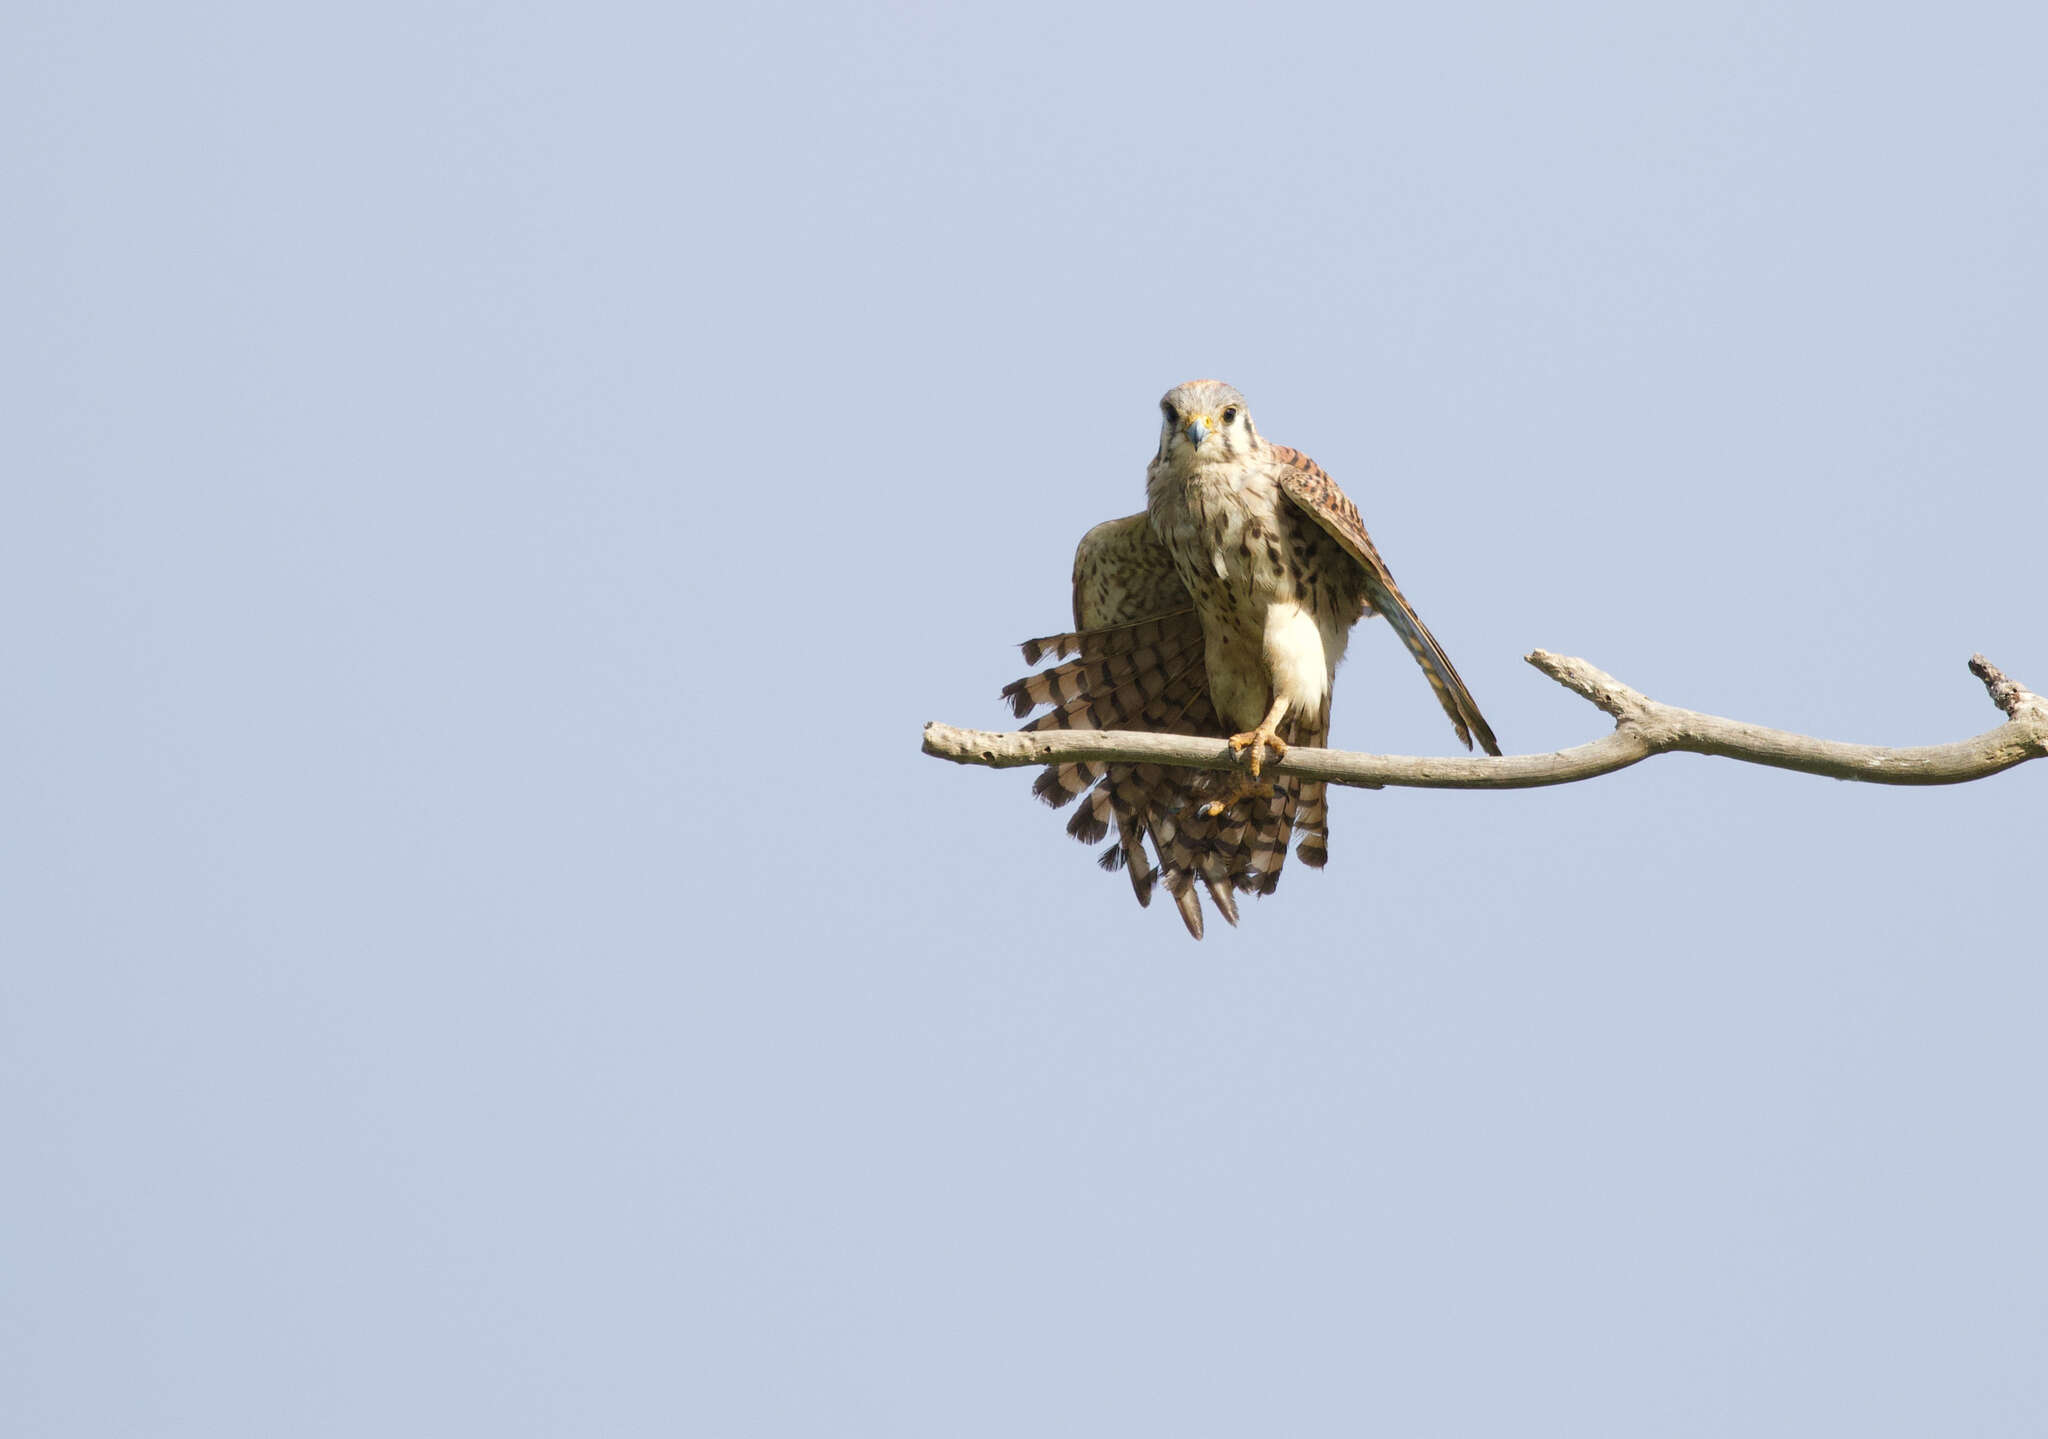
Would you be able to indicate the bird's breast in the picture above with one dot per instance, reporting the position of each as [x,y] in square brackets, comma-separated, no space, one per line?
[1228,535]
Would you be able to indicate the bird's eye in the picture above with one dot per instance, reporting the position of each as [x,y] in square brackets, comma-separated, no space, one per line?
[1230,415]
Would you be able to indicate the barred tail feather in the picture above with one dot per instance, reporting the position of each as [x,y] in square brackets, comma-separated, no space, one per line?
[1312,816]
[1313,821]
[1093,819]
[1151,675]
[1060,785]
[1188,903]
[1104,639]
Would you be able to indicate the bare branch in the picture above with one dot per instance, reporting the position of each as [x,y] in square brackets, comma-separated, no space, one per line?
[1642,727]
[2015,699]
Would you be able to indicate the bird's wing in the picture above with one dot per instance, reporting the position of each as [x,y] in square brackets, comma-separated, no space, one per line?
[1317,495]
[1123,577]
[1123,574]
[1139,665]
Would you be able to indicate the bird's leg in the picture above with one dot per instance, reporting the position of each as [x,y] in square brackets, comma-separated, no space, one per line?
[1240,788]
[1258,741]
[1265,737]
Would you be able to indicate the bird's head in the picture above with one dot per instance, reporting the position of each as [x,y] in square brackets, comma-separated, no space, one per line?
[1205,422]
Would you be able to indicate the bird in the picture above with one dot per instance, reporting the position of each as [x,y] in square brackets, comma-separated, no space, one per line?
[1221,609]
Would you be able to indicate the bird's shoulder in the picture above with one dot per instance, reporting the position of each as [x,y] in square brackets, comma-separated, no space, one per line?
[1309,485]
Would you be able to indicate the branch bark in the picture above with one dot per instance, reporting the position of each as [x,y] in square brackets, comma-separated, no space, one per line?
[1642,727]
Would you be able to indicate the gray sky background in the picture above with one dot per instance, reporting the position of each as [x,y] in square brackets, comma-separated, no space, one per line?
[492,493]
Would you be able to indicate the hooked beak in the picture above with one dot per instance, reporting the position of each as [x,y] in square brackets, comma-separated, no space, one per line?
[1198,427]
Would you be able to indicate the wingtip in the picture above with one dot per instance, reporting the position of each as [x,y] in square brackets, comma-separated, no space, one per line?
[1478,727]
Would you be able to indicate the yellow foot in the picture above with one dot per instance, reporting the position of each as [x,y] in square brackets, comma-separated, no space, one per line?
[1258,741]
[1240,788]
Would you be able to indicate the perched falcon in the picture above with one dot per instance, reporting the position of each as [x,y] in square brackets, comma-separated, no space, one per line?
[1222,609]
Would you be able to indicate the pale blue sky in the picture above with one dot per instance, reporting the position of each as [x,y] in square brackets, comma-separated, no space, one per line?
[492,493]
